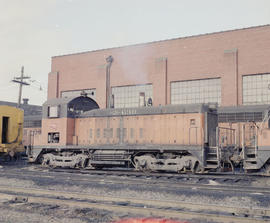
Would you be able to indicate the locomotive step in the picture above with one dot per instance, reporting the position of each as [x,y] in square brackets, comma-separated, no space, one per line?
[212,166]
[251,160]
[211,160]
[250,166]
[250,150]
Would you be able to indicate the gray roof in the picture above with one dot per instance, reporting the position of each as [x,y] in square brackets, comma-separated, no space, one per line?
[29,110]
[244,108]
[59,101]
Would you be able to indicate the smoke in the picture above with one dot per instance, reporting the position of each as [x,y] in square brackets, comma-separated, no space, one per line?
[134,64]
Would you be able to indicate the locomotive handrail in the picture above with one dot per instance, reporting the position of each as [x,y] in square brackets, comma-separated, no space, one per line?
[231,135]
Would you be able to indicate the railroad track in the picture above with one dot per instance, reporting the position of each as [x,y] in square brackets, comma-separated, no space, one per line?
[219,183]
[218,177]
[157,208]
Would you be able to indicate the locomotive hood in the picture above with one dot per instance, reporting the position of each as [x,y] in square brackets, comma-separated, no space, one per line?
[167,109]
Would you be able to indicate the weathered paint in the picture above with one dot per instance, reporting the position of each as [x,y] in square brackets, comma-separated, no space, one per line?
[14,132]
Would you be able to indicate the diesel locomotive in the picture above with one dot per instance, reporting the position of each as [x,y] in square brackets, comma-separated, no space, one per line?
[76,133]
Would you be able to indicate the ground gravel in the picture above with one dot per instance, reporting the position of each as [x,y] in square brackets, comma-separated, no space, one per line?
[16,212]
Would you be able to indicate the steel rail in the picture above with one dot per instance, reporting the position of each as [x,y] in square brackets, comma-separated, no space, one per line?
[166,184]
[117,173]
[171,209]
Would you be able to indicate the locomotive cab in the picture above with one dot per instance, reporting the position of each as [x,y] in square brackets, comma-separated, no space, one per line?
[58,118]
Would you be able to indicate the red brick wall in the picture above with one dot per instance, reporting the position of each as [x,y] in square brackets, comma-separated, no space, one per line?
[53,90]
[196,57]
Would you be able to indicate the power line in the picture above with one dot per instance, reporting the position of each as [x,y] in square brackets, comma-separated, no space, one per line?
[21,82]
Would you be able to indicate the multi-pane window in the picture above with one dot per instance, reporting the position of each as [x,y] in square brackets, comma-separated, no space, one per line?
[131,96]
[196,91]
[91,93]
[256,89]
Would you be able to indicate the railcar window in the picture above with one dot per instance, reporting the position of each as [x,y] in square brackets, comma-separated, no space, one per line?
[53,137]
[91,93]
[192,122]
[196,91]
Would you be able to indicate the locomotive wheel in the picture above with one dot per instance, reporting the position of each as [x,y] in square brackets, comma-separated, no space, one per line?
[197,168]
[41,160]
[82,164]
[44,161]
[267,169]
[143,164]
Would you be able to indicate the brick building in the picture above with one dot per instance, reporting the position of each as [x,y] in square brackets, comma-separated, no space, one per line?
[230,68]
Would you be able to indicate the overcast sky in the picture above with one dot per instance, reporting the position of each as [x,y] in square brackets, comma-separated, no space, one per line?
[32,31]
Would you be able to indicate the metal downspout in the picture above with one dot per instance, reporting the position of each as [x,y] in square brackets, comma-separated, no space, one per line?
[109,61]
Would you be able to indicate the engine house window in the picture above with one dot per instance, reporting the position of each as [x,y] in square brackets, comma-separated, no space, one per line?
[53,111]
[53,137]
[196,91]
[256,89]
[91,93]
[132,96]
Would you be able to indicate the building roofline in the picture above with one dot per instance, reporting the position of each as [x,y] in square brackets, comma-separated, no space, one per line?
[14,104]
[159,41]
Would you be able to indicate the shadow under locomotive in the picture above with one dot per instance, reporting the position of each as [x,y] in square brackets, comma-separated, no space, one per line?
[76,133]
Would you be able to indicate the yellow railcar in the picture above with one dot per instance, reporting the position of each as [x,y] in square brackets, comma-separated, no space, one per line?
[11,130]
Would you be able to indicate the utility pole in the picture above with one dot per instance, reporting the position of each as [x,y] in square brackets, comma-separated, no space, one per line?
[20,80]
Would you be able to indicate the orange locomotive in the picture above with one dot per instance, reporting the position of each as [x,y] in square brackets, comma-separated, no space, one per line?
[76,133]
